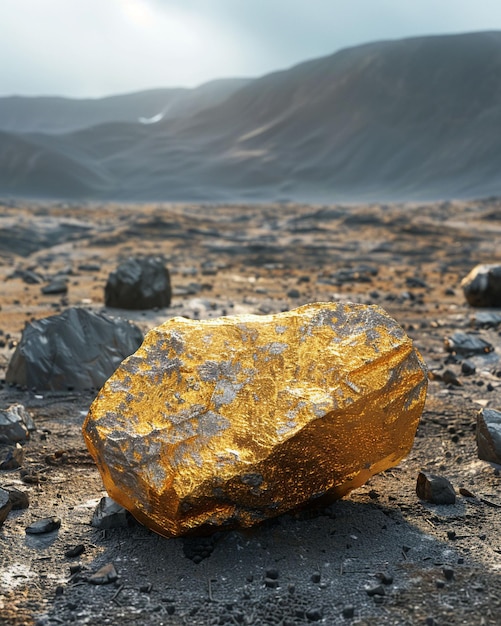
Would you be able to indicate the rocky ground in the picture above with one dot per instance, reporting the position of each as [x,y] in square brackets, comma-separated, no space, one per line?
[379,556]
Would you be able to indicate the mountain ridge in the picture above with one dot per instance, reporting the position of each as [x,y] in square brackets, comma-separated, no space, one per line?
[410,119]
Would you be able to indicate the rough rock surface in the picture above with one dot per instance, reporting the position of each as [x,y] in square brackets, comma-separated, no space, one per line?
[224,423]
[139,283]
[482,286]
[15,424]
[435,489]
[78,349]
[489,435]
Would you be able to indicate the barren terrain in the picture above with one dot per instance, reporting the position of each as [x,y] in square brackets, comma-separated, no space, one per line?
[440,564]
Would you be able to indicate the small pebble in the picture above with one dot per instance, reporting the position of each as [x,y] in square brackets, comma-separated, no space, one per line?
[314,615]
[105,575]
[378,590]
[315,577]
[75,551]
[46,525]
[272,573]
[448,573]
[348,611]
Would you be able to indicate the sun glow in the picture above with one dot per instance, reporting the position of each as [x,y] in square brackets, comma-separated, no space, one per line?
[138,12]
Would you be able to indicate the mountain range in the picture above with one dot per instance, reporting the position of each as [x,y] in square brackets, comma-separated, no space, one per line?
[411,119]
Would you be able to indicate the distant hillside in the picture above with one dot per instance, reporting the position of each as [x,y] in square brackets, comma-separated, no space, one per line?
[49,114]
[395,120]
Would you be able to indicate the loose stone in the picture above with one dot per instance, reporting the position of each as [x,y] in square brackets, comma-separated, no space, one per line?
[104,576]
[435,489]
[489,435]
[46,525]
[5,505]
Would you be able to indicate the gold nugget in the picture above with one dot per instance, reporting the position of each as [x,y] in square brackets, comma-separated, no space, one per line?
[224,423]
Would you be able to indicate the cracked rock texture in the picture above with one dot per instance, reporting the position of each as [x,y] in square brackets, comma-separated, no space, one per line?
[224,423]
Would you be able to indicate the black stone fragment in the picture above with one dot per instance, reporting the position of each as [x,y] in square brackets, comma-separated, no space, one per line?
[13,457]
[75,551]
[467,344]
[435,489]
[377,590]
[19,499]
[468,367]
[5,505]
[45,525]
[448,573]
[55,287]
[348,611]
[139,283]
[314,615]
[109,514]
[104,576]
[77,349]
[489,435]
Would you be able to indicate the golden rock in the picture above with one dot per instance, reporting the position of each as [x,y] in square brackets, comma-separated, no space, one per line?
[224,423]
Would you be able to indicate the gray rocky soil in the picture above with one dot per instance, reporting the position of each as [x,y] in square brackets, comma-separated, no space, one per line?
[381,555]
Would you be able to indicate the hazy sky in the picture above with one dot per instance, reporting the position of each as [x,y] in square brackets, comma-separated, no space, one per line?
[90,48]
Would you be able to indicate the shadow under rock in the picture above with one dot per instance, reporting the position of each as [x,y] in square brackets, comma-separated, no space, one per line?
[295,569]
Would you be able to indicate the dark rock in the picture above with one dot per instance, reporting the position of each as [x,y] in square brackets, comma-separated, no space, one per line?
[46,525]
[272,573]
[377,590]
[450,378]
[386,579]
[77,349]
[435,489]
[15,424]
[467,344]
[315,577]
[468,367]
[448,573]
[314,615]
[13,457]
[293,293]
[487,319]
[271,583]
[75,551]
[482,286]
[415,283]
[89,267]
[349,612]
[18,499]
[109,514]
[28,276]
[139,283]
[489,435]
[5,505]
[104,576]
[55,287]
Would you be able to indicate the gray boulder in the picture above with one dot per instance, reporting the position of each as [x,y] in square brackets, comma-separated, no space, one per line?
[139,283]
[78,349]
[482,286]
[15,424]
[489,435]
